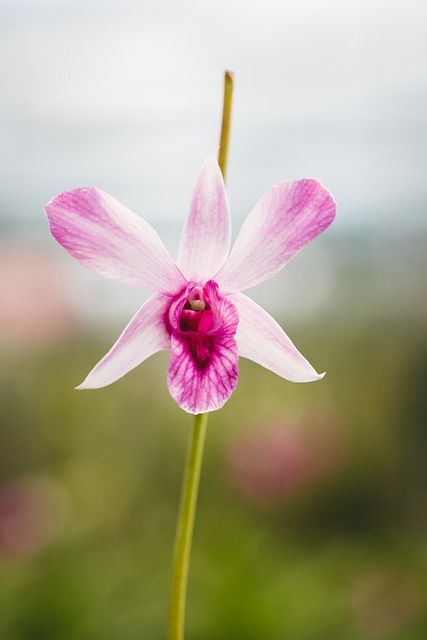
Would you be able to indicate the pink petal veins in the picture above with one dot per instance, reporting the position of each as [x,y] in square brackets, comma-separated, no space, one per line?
[261,339]
[107,237]
[203,369]
[285,219]
[145,334]
[205,240]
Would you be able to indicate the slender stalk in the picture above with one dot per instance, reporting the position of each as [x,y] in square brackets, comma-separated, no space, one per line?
[190,486]
[184,532]
[226,122]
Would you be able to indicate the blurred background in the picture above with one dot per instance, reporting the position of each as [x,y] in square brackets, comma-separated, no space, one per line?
[312,518]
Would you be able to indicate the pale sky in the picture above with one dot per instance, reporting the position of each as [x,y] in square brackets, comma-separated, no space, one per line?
[126,95]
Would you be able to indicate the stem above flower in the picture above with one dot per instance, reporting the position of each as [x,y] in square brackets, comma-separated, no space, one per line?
[226,122]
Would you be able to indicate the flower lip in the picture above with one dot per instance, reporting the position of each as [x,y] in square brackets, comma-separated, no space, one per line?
[203,369]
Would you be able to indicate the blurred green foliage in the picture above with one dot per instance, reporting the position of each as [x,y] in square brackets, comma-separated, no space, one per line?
[344,557]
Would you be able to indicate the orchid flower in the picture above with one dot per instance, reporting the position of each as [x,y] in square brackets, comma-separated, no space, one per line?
[197,310]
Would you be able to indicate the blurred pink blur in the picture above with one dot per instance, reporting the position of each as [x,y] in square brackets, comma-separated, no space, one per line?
[33,512]
[270,463]
[35,306]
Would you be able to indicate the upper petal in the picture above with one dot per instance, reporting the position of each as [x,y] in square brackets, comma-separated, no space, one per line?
[205,240]
[105,236]
[144,335]
[285,219]
[261,339]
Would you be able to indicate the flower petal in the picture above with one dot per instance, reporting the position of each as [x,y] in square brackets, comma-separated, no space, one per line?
[144,335]
[105,236]
[205,240]
[203,369]
[285,219]
[261,339]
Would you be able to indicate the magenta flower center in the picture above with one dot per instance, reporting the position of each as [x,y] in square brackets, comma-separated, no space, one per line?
[199,322]
[197,314]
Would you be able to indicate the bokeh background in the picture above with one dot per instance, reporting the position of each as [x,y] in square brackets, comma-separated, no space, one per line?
[312,518]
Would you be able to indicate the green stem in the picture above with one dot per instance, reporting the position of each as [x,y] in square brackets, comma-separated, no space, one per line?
[226,122]
[184,531]
[190,486]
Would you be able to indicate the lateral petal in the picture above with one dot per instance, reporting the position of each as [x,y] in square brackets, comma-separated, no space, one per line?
[287,217]
[105,236]
[205,240]
[261,339]
[144,335]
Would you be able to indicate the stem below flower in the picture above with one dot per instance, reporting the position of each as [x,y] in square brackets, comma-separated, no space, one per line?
[184,532]
[190,487]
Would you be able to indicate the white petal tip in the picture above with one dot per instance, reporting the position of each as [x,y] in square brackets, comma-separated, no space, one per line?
[88,384]
[91,384]
[316,377]
[305,376]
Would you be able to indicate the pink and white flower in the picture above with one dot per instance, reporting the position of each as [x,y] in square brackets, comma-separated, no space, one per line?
[197,310]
